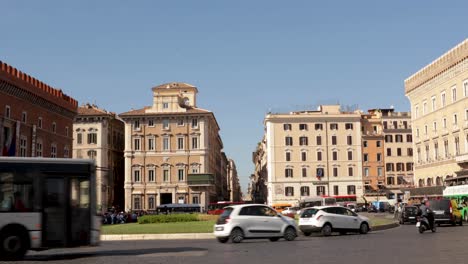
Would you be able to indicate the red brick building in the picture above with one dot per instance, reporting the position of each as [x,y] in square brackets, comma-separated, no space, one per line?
[36,120]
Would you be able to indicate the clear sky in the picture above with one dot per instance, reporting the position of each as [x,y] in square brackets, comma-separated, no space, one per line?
[246,57]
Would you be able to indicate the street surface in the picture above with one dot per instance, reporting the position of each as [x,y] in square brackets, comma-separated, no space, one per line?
[399,245]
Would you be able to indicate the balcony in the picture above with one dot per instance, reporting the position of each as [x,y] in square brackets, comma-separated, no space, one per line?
[462,158]
[200,179]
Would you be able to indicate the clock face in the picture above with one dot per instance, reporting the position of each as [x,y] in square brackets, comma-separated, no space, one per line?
[186,101]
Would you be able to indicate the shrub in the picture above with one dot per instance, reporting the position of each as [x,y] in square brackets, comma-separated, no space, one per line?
[170,218]
[207,217]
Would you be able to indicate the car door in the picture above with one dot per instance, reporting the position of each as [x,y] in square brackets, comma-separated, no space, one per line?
[334,217]
[250,221]
[275,221]
[341,218]
[351,219]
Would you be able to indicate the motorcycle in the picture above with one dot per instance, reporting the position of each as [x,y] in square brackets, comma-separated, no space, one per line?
[423,224]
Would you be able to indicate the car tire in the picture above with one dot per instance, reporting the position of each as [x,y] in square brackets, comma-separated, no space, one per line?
[274,239]
[290,234]
[237,235]
[326,230]
[14,243]
[307,233]
[364,228]
[223,239]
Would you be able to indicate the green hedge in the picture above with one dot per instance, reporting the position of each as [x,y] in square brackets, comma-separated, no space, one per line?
[170,218]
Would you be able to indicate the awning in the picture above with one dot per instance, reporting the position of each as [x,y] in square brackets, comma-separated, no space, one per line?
[396,191]
[375,198]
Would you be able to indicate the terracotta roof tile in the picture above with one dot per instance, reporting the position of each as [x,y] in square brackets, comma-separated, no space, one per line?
[92,110]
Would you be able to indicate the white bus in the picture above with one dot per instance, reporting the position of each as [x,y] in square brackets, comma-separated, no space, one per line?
[317,201]
[46,203]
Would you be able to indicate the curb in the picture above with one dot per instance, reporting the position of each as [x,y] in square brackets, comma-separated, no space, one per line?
[384,227]
[191,236]
[157,236]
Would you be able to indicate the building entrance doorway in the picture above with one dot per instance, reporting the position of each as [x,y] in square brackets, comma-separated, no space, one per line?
[166,198]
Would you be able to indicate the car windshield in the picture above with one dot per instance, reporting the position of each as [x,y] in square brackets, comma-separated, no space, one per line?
[309,212]
[439,204]
[410,209]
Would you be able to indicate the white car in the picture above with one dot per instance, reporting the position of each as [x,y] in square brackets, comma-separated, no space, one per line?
[328,219]
[290,211]
[245,221]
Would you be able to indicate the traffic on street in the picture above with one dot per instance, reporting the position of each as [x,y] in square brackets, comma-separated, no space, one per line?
[399,245]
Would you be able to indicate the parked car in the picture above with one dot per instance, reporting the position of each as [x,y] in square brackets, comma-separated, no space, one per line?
[328,219]
[408,214]
[446,211]
[351,206]
[290,211]
[246,221]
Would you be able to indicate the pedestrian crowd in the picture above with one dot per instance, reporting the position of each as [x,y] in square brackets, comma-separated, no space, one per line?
[113,216]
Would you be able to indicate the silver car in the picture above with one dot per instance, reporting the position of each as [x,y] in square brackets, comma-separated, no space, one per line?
[252,221]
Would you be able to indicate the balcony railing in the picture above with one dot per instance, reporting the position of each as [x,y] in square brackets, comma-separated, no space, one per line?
[200,179]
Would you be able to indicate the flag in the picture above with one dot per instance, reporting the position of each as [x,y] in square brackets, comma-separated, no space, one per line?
[12,149]
[9,146]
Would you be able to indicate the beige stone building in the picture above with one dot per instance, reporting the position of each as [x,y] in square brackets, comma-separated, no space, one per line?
[258,188]
[99,135]
[398,149]
[233,186]
[173,151]
[313,153]
[438,94]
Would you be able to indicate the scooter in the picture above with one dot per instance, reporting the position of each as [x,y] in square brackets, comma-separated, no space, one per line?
[424,225]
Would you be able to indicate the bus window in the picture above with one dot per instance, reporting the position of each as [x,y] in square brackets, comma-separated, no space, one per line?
[16,193]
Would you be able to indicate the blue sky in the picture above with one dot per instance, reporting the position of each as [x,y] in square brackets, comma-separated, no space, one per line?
[245,57]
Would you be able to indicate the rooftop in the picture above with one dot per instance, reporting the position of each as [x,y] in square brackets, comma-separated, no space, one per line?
[438,66]
[92,110]
[27,82]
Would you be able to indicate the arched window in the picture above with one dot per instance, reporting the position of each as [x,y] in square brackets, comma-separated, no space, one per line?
[439,181]
[429,181]
[421,183]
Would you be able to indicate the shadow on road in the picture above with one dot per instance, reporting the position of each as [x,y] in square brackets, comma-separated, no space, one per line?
[107,253]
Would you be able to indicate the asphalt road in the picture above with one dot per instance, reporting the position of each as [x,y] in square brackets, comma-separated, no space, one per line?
[399,245]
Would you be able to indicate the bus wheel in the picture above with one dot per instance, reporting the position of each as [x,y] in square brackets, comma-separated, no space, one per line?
[14,243]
